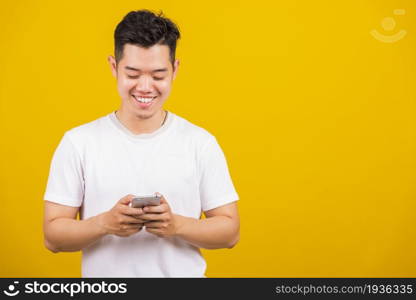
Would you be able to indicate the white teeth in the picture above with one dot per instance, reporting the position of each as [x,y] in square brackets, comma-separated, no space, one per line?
[143,100]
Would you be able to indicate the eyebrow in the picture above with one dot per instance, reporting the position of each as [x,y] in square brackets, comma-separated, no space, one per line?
[135,69]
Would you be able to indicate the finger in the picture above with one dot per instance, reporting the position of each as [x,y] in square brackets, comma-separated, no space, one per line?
[153,217]
[154,224]
[156,208]
[162,198]
[129,227]
[128,232]
[132,220]
[157,232]
[126,199]
[131,211]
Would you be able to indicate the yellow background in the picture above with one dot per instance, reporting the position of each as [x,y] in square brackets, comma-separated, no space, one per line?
[316,118]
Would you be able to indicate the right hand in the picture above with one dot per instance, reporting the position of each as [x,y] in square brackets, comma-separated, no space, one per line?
[122,220]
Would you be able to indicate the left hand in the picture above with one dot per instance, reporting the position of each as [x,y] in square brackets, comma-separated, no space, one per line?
[159,219]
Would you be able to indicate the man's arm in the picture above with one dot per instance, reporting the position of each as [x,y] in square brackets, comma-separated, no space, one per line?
[220,229]
[63,232]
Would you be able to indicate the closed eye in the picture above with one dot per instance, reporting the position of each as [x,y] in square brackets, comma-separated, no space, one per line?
[135,77]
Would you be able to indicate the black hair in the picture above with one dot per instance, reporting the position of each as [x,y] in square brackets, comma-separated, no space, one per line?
[145,29]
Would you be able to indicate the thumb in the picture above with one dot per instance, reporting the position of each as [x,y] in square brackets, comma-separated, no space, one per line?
[162,199]
[126,199]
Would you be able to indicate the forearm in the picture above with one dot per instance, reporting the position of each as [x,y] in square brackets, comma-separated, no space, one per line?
[69,235]
[210,233]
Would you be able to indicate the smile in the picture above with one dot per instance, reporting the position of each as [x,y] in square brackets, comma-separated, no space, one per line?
[143,99]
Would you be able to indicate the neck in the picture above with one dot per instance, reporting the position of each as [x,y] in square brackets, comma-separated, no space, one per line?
[139,125]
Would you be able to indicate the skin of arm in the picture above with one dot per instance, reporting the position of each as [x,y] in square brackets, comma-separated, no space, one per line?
[220,228]
[63,232]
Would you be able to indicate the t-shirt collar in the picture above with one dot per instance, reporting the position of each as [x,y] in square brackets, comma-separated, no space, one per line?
[141,136]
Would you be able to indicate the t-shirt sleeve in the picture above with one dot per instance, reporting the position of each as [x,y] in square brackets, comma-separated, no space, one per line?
[65,183]
[216,186]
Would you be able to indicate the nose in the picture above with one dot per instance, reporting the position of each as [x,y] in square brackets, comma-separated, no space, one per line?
[144,84]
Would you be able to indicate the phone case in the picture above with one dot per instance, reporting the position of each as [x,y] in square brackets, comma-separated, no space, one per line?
[142,201]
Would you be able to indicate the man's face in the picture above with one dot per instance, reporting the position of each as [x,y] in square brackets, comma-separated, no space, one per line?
[144,79]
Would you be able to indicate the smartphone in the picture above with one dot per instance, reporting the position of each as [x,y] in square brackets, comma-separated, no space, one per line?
[142,201]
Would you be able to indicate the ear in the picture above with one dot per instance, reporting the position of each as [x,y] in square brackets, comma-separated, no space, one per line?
[175,68]
[113,65]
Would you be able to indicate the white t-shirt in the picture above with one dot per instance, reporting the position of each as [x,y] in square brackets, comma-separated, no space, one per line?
[98,163]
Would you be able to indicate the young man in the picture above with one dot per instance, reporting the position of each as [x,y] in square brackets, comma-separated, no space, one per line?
[140,149]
